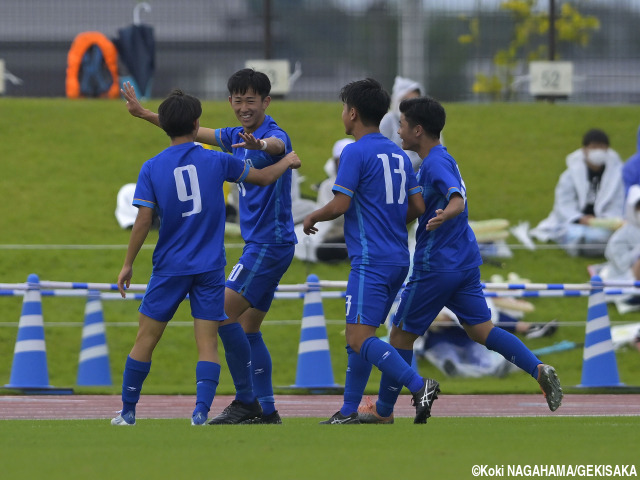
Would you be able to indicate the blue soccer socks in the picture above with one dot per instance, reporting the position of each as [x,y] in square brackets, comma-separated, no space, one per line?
[261,365]
[511,348]
[135,373]
[207,378]
[237,352]
[389,361]
[358,371]
[390,389]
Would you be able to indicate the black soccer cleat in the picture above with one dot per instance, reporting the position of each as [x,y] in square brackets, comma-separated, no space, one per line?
[550,386]
[238,412]
[339,419]
[423,400]
[272,419]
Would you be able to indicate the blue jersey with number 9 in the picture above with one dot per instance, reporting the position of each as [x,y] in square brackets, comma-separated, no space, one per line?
[184,184]
[379,178]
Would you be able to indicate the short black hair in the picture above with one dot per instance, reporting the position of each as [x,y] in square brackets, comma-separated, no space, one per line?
[426,112]
[178,112]
[368,98]
[595,136]
[247,78]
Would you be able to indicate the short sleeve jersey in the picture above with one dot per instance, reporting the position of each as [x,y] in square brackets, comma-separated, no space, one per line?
[379,178]
[452,246]
[184,185]
[265,212]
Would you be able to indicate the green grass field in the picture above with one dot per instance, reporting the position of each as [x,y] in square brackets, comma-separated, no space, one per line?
[64,161]
[446,448]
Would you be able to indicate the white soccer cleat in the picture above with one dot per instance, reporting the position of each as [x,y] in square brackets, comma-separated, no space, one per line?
[128,419]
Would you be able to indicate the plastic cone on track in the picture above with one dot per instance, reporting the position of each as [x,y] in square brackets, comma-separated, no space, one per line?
[599,366]
[93,366]
[314,370]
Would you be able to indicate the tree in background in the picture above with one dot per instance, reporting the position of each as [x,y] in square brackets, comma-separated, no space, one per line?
[529,42]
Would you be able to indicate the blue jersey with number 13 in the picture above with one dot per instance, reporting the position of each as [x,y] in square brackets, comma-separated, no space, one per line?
[379,178]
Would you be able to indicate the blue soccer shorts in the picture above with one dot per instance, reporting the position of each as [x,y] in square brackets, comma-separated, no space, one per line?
[427,292]
[206,295]
[371,290]
[258,272]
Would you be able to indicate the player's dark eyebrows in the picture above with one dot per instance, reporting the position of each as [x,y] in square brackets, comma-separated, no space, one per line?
[245,95]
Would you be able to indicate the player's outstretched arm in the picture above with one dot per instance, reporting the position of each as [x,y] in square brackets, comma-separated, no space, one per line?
[139,233]
[271,145]
[416,207]
[336,207]
[454,208]
[205,135]
[268,175]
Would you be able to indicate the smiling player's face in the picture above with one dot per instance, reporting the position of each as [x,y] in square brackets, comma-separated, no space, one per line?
[407,134]
[249,109]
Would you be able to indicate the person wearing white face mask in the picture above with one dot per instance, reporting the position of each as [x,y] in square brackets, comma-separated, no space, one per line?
[589,199]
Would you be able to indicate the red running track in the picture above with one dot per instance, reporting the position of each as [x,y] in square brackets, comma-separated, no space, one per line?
[54,407]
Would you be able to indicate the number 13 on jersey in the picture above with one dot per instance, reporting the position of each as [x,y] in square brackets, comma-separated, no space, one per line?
[388,177]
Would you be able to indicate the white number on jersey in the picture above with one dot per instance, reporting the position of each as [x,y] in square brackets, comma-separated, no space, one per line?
[194,187]
[388,178]
[348,303]
[235,272]
[464,188]
[241,187]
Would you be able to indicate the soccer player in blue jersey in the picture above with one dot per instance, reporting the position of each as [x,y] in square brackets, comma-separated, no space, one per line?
[267,228]
[445,265]
[184,185]
[377,192]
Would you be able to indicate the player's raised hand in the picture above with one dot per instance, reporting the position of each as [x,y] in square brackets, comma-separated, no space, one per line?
[133,104]
[124,279]
[250,142]
[294,161]
[436,221]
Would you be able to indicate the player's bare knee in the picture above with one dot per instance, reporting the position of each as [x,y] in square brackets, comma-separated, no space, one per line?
[354,341]
[398,338]
[479,333]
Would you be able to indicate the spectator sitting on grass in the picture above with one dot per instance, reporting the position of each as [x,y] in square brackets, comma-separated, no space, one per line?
[631,169]
[589,199]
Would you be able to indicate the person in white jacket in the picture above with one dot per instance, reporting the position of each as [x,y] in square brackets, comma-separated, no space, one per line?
[403,88]
[623,248]
[328,244]
[623,254]
[589,199]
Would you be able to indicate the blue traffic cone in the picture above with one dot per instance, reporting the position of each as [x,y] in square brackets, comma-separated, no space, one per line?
[599,366]
[314,370]
[29,369]
[93,367]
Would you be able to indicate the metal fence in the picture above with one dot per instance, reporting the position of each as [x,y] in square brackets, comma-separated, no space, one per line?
[447,44]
